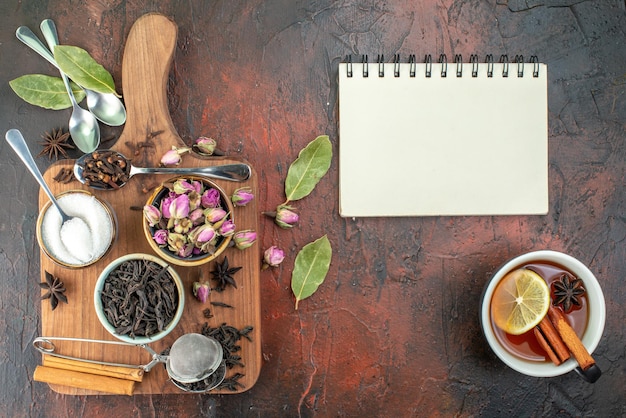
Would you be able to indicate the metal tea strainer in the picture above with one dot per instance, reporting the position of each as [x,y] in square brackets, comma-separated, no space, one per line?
[192,358]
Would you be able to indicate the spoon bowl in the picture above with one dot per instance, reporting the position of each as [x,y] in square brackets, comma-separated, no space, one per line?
[106,107]
[86,175]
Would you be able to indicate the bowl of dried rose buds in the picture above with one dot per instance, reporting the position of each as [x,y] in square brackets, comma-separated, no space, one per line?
[188,220]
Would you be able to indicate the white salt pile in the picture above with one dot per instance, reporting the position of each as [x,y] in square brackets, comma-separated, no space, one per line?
[83,239]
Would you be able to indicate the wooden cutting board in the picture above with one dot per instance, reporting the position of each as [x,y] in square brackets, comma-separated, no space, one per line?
[147,134]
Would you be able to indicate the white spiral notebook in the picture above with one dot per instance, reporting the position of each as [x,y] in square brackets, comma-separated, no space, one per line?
[439,138]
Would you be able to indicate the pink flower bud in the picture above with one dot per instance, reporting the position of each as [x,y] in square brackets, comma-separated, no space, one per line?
[165,205]
[182,186]
[273,256]
[244,239]
[201,291]
[242,196]
[214,215]
[201,234]
[151,214]
[227,228]
[160,236]
[179,208]
[205,145]
[173,156]
[196,216]
[285,217]
[211,198]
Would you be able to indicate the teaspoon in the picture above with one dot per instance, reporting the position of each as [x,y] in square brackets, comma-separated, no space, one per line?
[232,172]
[106,107]
[16,140]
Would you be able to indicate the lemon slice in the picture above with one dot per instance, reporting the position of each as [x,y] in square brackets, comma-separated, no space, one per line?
[520,301]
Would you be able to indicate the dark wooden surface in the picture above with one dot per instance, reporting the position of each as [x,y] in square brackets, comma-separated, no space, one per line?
[393,331]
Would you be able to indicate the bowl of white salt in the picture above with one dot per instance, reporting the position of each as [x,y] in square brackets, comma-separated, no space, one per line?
[83,240]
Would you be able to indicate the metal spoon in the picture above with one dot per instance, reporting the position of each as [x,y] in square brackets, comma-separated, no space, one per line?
[106,107]
[232,172]
[17,142]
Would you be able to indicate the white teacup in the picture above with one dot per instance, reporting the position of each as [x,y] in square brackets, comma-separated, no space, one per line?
[596,313]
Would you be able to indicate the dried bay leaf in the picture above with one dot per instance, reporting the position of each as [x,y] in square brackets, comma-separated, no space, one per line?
[310,268]
[45,91]
[306,171]
[83,69]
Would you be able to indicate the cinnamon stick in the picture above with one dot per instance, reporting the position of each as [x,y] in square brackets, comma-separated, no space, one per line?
[551,341]
[80,380]
[546,346]
[119,372]
[570,338]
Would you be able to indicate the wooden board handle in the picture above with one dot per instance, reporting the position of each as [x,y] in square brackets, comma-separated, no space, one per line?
[147,58]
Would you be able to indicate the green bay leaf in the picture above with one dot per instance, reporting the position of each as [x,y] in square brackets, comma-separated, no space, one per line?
[83,69]
[306,171]
[310,268]
[45,91]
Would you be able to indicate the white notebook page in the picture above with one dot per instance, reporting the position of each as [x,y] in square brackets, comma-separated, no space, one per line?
[426,146]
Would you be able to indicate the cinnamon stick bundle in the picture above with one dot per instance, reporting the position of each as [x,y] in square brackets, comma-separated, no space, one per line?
[550,340]
[570,338]
[558,339]
[81,380]
[119,372]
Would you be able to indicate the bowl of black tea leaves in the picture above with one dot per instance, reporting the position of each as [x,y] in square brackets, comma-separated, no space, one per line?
[139,298]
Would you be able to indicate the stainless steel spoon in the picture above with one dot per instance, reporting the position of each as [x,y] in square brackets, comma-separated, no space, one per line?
[17,142]
[83,125]
[106,107]
[231,172]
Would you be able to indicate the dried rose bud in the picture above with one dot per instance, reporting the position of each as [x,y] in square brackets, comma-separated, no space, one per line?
[201,291]
[205,145]
[179,208]
[242,196]
[165,205]
[182,226]
[182,186]
[286,217]
[196,216]
[201,234]
[244,239]
[214,215]
[273,256]
[151,214]
[177,243]
[227,228]
[160,236]
[173,156]
[211,198]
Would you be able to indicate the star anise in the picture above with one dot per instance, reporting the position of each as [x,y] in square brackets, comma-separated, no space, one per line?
[55,144]
[223,275]
[567,292]
[56,290]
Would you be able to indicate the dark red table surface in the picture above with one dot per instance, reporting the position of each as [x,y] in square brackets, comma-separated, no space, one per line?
[394,329]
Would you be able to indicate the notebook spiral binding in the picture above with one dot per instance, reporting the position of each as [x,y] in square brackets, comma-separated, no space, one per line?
[518,62]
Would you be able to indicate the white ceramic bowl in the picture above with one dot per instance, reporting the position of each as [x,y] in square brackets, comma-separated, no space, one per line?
[595,323]
[100,311]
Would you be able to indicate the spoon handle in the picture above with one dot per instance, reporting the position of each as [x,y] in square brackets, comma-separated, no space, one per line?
[17,142]
[49,30]
[24,34]
[232,172]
